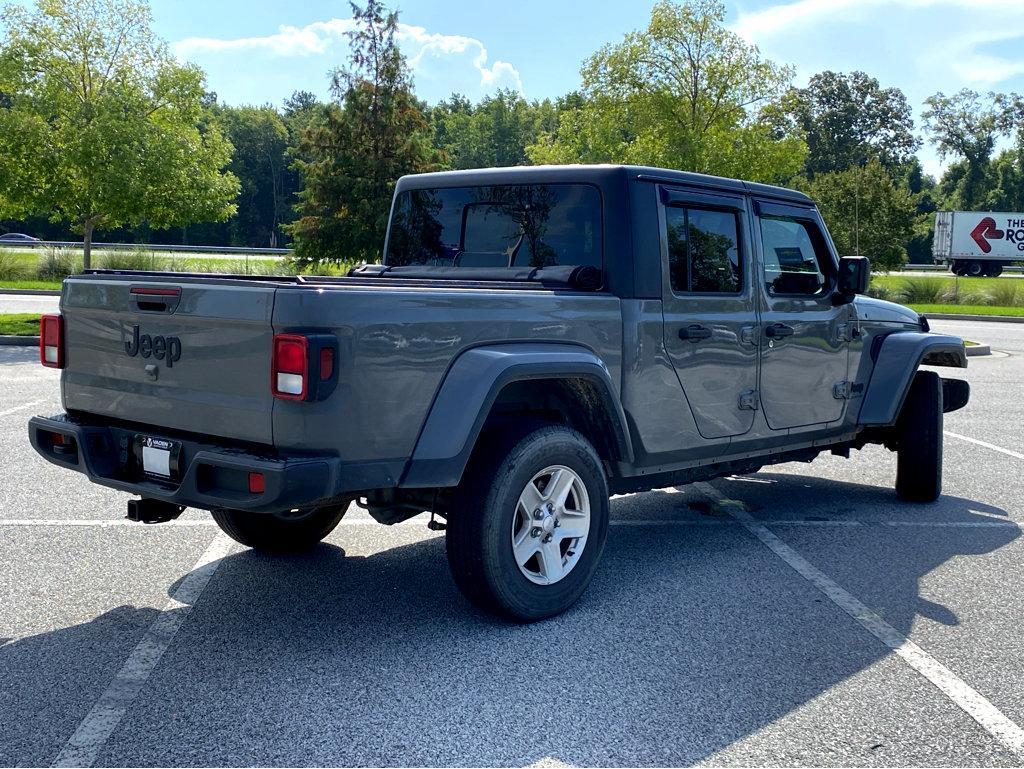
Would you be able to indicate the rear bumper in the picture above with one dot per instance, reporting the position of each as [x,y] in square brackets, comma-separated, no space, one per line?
[211,477]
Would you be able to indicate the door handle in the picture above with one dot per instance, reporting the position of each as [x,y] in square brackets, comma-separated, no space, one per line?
[778,330]
[694,333]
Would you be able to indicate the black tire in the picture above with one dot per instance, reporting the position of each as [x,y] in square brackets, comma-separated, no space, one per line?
[958,268]
[919,436]
[284,533]
[975,269]
[994,269]
[484,511]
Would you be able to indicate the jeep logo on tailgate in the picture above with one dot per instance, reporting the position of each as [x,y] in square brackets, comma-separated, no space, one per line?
[160,347]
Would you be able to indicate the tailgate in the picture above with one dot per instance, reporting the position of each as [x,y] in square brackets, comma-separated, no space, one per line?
[189,355]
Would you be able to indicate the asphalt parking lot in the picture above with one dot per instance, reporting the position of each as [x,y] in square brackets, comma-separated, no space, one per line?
[713,633]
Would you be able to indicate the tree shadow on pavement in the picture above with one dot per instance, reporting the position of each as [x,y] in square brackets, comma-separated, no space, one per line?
[690,639]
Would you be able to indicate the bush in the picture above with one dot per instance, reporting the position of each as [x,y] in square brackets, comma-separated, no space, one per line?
[56,263]
[1006,293]
[11,267]
[884,291]
[131,259]
[924,291]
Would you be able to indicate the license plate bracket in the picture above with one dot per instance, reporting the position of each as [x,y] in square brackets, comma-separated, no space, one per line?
[158,458]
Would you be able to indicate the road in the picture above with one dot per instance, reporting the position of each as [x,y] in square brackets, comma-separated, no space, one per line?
[713,633]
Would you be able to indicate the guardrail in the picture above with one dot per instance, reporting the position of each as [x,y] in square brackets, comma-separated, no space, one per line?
[149,247]
[945,268]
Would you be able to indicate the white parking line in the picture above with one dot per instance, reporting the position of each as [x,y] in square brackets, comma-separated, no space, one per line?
[100,722]
[988,716]
[22,407]
[1000,449]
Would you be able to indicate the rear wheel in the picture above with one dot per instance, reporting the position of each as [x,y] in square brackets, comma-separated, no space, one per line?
[975,269]
[994,269]
[919,435]
[529,523]
[291,531]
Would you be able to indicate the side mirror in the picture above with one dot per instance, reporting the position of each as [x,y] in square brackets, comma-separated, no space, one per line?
[854,276]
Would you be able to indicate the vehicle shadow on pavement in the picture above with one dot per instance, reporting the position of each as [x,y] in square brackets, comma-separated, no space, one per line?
[16,355]
[690,639]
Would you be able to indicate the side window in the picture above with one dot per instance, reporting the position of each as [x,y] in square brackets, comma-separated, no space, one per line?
[703,251]
[796,260]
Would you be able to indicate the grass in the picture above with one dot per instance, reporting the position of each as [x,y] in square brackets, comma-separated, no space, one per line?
[896,281]
[45,285]
[969,309]
[19,324]
[45,268]
[973,293]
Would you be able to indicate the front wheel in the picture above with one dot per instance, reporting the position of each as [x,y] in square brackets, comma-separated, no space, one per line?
[528,524]
[919,436]
[287,532]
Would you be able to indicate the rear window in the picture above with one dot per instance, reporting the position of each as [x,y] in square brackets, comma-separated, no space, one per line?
[525,225]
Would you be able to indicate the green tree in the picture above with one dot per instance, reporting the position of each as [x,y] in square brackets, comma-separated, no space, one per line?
[847,118]
[685,93]
[260,139]
[352,156]
[100,126]
[966,126]
[493,133]
[866,211]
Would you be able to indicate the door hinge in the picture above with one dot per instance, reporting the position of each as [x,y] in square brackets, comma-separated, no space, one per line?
[748,400]
[847,332]
[846,389]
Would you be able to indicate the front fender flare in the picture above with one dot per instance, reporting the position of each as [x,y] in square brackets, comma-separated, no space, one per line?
[896,362]
[470,389]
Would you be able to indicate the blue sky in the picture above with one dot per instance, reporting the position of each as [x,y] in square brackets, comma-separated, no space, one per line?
[259,51]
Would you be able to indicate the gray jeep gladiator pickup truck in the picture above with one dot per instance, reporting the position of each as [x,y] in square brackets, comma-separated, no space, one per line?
[535,340]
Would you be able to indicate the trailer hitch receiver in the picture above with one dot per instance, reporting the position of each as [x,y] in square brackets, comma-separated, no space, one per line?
[152,511]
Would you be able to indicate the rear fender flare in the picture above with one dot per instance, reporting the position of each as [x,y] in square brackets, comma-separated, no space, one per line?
[896,362]
[472,385]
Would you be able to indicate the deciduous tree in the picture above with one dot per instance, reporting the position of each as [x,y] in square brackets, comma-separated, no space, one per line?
[847,118]
[101,126]
[867,212]
[966,126]
[685,93]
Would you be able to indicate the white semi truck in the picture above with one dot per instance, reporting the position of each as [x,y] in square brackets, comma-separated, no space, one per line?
[978,243]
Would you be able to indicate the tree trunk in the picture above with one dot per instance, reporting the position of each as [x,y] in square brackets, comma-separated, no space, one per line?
[87,245]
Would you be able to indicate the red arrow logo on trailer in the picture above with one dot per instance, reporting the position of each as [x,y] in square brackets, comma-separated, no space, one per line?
[986,231]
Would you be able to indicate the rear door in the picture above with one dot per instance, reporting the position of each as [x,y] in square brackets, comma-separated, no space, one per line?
[804,345]
[189,355]
[708,304]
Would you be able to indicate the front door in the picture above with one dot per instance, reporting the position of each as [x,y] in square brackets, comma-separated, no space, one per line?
[804,335]
[708,304]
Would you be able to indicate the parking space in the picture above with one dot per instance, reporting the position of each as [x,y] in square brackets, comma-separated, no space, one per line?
[696,643]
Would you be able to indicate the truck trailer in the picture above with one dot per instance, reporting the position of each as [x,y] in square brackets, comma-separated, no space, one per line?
[978,243]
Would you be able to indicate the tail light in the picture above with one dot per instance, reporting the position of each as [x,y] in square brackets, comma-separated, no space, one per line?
[290,367]
[303,366]
[51,341]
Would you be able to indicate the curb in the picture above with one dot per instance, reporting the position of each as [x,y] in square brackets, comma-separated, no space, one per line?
[19,341]
[29,292]
[989,318]
[978,349]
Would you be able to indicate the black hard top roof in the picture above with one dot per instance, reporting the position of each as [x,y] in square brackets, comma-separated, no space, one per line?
[593,174]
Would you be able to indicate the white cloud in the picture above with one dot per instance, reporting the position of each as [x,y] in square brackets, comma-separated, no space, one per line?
[801,14]
[431,55]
